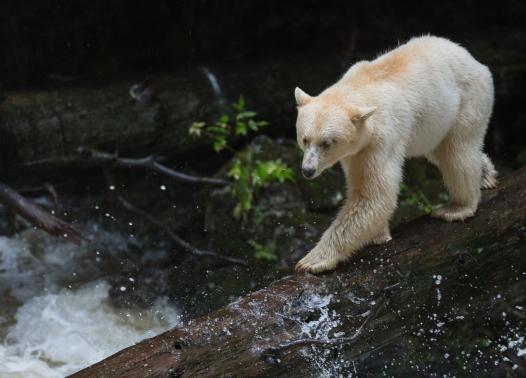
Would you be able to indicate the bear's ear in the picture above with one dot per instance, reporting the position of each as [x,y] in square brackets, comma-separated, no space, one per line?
[360,114]
[302,98]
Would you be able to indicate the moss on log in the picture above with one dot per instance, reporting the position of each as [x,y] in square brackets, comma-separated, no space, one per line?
[50,124]
[441,298]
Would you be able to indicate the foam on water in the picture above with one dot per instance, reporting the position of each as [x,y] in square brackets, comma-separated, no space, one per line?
[58,334]
[33,263]
[49,330]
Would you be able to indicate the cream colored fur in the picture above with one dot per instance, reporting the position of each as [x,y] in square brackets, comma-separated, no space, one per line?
[428,97]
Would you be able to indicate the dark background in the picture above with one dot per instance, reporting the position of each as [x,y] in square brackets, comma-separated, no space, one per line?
[54,43]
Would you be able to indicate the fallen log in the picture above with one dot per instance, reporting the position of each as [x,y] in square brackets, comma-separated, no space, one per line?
[40,127]
[441,298]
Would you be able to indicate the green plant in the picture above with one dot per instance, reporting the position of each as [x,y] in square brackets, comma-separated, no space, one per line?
[417,198]
[240,124]
[248,175]
[264,252]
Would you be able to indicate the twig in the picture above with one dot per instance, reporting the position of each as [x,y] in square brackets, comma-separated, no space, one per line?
[53,193]
[176,238]
[149,163]
[361,356]
[184,244]
[38,217]
[334,341]
[337,340]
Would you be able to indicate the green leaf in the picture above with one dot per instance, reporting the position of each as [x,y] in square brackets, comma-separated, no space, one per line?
[257,179]
[264,252]
[238,211]
[246,114]
[240,104]
[196,129]
[417,198]
[219,144]
[235,171]
[241,128]
[218,130]
[253,125]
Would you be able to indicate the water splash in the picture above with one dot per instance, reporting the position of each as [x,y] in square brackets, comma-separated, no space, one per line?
[49,329]
[323,327]
[58,334]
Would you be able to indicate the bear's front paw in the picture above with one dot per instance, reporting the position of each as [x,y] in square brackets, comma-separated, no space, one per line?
[319,259]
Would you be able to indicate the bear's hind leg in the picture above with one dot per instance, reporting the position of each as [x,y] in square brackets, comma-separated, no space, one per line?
[383,236]
[461,167]
[489,174]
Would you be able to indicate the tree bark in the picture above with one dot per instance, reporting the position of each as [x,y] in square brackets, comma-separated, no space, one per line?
[441,298]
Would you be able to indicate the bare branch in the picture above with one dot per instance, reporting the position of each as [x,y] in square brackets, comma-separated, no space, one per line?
[53,193]
[38,217]
[362,355]
[176,238]
[150,163]
[380,302]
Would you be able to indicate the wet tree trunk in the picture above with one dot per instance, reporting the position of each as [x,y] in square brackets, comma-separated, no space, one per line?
[441,298]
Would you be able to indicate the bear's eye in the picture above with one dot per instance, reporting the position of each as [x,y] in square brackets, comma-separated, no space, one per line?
[305,141]
[325,144]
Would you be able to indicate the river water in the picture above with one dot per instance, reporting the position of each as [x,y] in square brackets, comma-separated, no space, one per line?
[56,312]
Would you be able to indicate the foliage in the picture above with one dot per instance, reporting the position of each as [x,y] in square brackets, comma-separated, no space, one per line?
[264,252]
[418,199]
[219,132]
[249,175]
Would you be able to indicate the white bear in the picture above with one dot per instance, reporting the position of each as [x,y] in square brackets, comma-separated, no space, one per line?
[428,97]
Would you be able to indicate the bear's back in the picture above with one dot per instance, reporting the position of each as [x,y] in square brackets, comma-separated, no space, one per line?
[418,57]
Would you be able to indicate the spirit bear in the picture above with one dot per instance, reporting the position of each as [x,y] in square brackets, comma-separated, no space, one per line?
[428,97]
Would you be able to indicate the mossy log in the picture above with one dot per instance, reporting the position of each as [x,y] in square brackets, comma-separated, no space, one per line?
[39,129]
[39,126]
[441,298]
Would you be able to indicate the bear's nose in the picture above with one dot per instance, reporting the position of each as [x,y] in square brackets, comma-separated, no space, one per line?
[308,172]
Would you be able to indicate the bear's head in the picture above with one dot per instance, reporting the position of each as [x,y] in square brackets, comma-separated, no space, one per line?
[328,129]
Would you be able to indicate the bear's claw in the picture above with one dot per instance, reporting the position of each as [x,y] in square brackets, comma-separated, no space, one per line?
[318,260]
